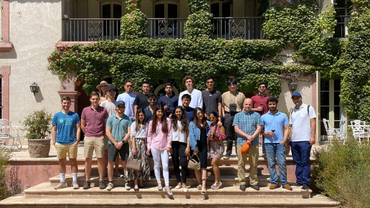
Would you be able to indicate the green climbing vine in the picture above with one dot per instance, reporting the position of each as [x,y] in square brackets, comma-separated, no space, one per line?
[199,20]
[133,24]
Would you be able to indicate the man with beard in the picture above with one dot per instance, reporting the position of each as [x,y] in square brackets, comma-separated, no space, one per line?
[275,122]
[169,101]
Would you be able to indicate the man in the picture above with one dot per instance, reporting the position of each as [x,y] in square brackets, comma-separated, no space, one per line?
[118,132]
[247,125]
[260,106]
[302,123]
[169,101]
[196,95]
[111,108]
[274,122]
[141,100]
[128,97]
[232,103]
[109,102]
[189,111]
[66,135]
[93,119]
[211,98]
[152,100]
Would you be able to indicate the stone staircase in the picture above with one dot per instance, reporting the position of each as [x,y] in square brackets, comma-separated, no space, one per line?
[44,195]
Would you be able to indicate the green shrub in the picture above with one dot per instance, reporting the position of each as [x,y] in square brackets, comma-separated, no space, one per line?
[37,124]
[133,24]
[9,183]
[342,172]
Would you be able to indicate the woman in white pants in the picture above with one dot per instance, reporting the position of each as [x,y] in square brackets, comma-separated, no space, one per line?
[159,144]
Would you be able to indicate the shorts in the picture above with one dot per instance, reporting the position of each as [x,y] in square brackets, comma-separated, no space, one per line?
[113,152]
[94,143]
[105,142]
[216,149]
[63,150]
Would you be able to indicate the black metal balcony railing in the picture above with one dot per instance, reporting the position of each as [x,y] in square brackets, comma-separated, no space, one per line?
[95,29]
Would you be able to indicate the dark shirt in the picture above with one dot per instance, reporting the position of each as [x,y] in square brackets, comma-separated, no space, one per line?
[259,100]
[189,113]
[211,101]
[170,101]
[141,101]
[148,114]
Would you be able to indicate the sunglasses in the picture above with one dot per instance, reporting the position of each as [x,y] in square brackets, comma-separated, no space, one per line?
[121,106]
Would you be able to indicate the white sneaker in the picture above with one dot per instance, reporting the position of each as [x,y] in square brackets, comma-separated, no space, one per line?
[61,185]
[127,186]
[110,186]
[75,185]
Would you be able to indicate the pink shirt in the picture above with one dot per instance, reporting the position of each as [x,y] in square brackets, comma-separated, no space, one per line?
[95,121]
[159,140]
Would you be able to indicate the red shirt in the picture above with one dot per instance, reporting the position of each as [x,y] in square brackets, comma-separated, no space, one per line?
[260,100]
[95,121]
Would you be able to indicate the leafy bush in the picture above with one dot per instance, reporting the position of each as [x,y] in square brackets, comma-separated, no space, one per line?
[37,124]
[199,20]
[343,173]
[133,24]
[9,183]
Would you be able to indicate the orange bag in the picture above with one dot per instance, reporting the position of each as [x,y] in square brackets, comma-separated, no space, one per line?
[245,148]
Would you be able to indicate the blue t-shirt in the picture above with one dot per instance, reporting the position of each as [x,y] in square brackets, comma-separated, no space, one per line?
[66,127]
[189,113]
[119,127]
[274,122]
[171,102]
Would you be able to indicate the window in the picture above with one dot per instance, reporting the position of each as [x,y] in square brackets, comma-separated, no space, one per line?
[166,10]
[111,28]
[330,107]
[342,18]
[168,26]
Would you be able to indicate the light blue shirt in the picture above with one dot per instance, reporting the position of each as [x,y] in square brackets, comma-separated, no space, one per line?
[274,122]
[119,128]
[247,123]
[129,99]
[194,134]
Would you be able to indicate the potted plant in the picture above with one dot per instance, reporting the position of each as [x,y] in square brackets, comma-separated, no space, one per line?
[38,127]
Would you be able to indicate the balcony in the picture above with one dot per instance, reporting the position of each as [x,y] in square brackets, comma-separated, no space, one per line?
[96,29]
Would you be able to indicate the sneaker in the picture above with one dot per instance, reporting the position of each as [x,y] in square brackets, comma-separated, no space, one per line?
[102,185]
[61,185]
[288,187]
[110,186]
[242,187]
[305,187]
[75,185]
[169,192]
[86,185]
[160,188]
[127,186]
[178,187]
[255,187]
[272,186]
[215,186]
[199,187]
[204,191]
[226,157]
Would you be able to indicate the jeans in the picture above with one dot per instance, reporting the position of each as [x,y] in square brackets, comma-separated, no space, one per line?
[275,153]
[301,156]
[158,156]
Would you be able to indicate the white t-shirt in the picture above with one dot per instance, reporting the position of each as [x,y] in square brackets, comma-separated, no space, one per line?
[300,121]
[179,135]
[129,103]
[196,98]
[111,108]
[141,133]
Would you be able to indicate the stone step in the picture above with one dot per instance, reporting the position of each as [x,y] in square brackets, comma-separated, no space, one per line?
[224,170]
[46,190]
[20,201]
[263,180]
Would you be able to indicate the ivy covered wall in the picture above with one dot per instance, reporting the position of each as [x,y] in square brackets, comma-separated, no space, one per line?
[297,26]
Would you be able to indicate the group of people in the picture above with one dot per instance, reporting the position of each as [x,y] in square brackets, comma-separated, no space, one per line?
[193,125]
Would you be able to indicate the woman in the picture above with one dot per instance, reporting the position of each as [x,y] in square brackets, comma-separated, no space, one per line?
[198,137]
[180,146]
[139,130]
[159,144]
[102,87]
[216,146]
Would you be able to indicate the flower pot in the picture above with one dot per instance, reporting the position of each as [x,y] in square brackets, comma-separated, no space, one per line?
[39,147]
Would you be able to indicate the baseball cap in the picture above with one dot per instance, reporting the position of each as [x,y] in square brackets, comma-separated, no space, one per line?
[120,102]
[110,87]
[297,94]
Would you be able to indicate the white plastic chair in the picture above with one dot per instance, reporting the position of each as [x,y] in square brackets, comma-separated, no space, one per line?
[333,132]
[5,134]
[358,130]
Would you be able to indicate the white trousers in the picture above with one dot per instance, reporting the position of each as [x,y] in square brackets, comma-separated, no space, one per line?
[159,155]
